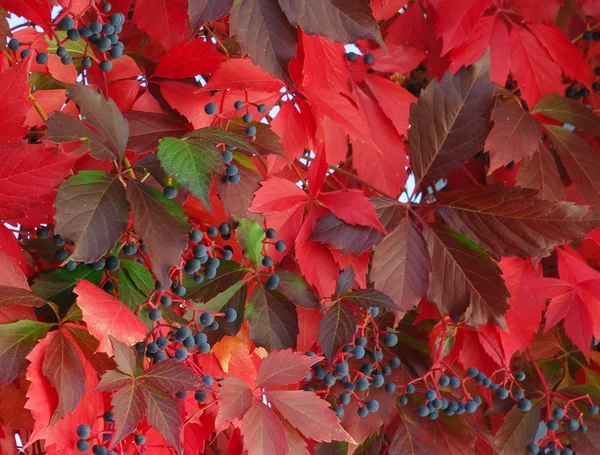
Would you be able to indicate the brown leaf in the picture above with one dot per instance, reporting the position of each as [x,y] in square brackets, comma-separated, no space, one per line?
[11,296]
[163,415]
[464,279]
[540,173]
[112,380]
[341,21]
[568,111]
[581,161]
[265,34]
[162,225]
[518,429]
[171,376]
[103,115]
[146,128]
[516,135]
[64,370]
[451,121]
[203,11]
[91,210]
[124,356]
[336,329]
[235,398]
[273,319]
[401,265]
[238,197]
[128,409]
[514,221]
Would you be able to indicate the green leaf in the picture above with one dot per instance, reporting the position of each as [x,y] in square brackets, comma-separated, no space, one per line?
[219,301]
[568,111]
[135,283]
[273,319]
[192,163]
[250,236]
[91,210]
[16,340]
[74,48]
[56,285]
[42,81]
[161,223]
[214,135]
[245,161]
[296,289]
[336,329]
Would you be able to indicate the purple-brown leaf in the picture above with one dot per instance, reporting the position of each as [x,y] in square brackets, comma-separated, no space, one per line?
[540,173]
[11,296]
[336,329]
[146,128]
[235,398]
[284,367]
[163,415]
[128,409]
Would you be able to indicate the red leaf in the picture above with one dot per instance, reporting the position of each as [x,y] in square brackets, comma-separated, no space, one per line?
[408,29]
[324,64]
[537,10]
[263,432]
[60,72]
[516,135]
[393,99]
[105,315]
[189,59]
[289,126]
[186,100]
[235,399]
[309,414]
[569,57]
[242,74]
[171,29]
[277,195]
[284,367]
[27,172]
[532,67]
[456,20]
[11,273]
[398,59]
[385,9]
[353,207]
[317,172]
[35,11]
[65,372]
[14,98]
[489,31]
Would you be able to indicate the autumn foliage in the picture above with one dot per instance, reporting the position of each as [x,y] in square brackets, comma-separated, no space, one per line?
[299,227]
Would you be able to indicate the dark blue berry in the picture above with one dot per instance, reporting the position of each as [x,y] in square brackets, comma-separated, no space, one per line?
[444,381]
[422,411]
[390,339]
[66,23]
[105,66]
[251,130]
[362,384]
[206,319]
[552,425]
[247,118]
[14,44]
[83,431]
[181,353]
[155,314]
[230,315]
[472,372]
[524,404]
[83,445]
[210,108]
[41,58]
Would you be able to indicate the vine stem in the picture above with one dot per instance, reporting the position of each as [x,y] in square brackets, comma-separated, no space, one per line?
[544,383]
[38,108]
[361,181]
[129,169]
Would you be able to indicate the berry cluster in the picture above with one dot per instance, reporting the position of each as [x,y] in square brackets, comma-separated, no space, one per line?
[100,34]
[84,432]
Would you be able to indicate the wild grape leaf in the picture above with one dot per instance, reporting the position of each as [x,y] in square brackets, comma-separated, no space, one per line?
[64,370]
[56,285]
[336,329]
[16,340]
[516,135]
[203,11]
[135,283]
[284,367]
[537,10]
[265,35]
[192,163]
[214,135]
[464,278]
[106,118]
[568,111]
[394,100]
[490,31]
[353,207]
[28,172]
[532,67]
[345,281]
[309,414]
[235,399]
[63,127]
[105,315]
[172,29]
[242,74]
[346,237]
[162,225]
[514,221]
[128,409]
[296,289]
[188,59]
[14,98]
[147,128]
[455,21]
[250,235]
[367,298]
[11,296]
[238,198]
[88,346]
[263,432]
[331,448]
[341,21]
[229,274]
[265,141]
[412,439]
[568,56]
[277,195]
[518,429]
[451,121]
[171,376]
[588,442]
[163,414]
[112,380]
[91,210]
[540,173]
[401,266]
[580,161]
[37,12]
[273,319]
